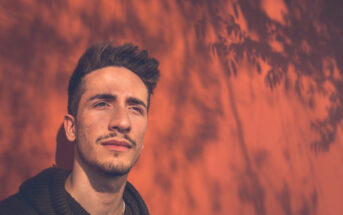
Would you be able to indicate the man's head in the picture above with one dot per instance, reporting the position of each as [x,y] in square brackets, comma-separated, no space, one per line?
[105,54]
[109,94]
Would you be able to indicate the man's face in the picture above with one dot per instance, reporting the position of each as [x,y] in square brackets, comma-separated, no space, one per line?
[111,120]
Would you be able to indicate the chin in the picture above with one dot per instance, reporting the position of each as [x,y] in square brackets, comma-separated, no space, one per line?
[112,169]
[116,164]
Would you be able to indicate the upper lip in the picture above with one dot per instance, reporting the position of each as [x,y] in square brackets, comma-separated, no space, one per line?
[117,143]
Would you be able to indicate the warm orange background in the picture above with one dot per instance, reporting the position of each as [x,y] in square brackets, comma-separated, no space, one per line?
[247,117]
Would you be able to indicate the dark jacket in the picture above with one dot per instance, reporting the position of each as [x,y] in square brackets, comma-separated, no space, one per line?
[45,194]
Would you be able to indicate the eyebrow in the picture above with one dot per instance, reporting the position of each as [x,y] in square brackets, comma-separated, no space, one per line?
[110,97]
[133,100]
[104,96]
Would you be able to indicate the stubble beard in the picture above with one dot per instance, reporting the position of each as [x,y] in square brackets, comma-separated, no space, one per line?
[108,168]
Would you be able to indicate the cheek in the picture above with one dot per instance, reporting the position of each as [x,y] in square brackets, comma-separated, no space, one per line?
[88,128]
[86,140]
[141,126]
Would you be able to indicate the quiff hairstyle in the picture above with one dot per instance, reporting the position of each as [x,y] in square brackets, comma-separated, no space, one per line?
[105,54]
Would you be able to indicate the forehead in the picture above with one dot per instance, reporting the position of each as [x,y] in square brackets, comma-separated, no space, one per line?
[114,80]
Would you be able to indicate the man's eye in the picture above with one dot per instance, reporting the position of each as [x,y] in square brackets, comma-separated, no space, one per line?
[100,104]
[138,109]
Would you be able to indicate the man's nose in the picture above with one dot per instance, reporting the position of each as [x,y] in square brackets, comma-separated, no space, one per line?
[120,120]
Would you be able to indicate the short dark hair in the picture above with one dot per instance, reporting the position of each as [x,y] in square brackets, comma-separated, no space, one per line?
[105,54]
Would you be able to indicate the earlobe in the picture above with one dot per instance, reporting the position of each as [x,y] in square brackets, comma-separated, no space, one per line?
[69,127]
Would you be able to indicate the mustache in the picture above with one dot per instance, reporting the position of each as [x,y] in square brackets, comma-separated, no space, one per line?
[110,135]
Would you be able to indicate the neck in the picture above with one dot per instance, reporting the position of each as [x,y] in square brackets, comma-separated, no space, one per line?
[95,191]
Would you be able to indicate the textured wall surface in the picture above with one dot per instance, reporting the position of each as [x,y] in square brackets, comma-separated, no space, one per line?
[247,117]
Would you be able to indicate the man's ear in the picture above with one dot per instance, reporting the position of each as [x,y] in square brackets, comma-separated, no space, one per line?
[69,127]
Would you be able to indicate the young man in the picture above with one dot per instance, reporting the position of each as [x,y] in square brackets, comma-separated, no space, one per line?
[108,102]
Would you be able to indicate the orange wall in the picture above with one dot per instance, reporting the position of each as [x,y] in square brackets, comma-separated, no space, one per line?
[247,117]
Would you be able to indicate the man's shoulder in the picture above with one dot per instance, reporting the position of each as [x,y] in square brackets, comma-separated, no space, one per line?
[15,204]
[34,194]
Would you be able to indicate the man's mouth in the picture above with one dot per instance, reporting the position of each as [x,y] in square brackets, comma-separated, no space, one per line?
[115,145]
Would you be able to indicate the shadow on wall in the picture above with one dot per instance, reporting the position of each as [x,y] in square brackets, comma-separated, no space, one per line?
[64,150]
[308,40]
